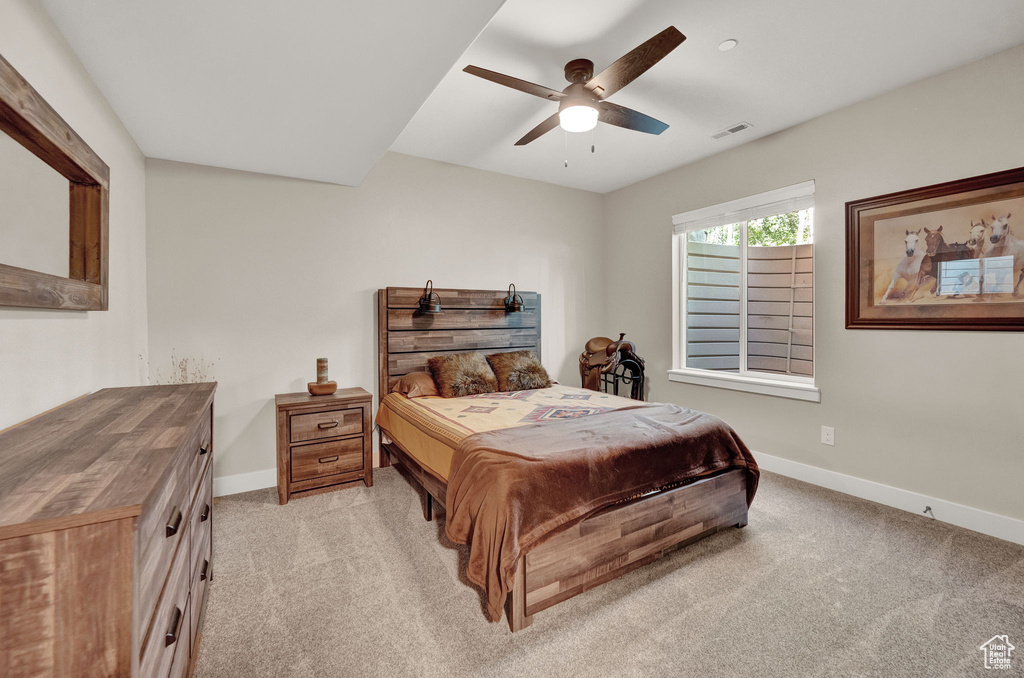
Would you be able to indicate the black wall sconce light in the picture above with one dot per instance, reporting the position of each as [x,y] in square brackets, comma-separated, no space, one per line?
[513,302]
[430,303]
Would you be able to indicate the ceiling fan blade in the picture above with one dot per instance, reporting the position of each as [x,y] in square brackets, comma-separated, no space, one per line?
[620,116]
[631,66]
[515,83]
[541,129]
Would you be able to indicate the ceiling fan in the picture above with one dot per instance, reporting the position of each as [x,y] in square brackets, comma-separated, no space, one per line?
[582,104]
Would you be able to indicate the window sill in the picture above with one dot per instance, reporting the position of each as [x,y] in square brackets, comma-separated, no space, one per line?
[765,386]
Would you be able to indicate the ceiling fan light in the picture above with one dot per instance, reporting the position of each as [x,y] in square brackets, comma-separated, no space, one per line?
[578,118]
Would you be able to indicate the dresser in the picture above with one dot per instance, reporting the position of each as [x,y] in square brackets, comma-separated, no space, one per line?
[106,508]
[323,442]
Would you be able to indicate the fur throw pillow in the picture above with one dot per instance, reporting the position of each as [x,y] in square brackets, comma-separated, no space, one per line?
[518,371]
[462,374]
[415,385]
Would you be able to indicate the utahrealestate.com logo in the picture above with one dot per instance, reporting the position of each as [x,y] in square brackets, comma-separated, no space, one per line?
[998,652]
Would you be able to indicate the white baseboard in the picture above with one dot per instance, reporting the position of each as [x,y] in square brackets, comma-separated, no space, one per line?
[244,482]
[985,522]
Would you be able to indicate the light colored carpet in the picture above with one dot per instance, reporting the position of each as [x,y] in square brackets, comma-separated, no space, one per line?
[356,583]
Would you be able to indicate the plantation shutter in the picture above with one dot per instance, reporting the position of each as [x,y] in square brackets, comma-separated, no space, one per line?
[780,309]
[713,306]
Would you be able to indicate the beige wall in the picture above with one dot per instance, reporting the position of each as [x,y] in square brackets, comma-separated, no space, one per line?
[49,357]
[932,412]
[257,276]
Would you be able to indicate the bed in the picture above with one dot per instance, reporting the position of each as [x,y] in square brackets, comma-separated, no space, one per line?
[424,435]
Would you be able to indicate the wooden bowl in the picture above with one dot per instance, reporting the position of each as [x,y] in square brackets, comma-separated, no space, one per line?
[322,389]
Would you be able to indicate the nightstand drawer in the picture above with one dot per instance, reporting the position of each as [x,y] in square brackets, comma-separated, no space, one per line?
[326,424]
[325,459]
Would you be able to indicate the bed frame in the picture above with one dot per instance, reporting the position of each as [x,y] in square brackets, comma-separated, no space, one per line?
[605,545]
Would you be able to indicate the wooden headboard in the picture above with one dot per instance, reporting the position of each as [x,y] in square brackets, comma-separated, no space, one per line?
[470,320]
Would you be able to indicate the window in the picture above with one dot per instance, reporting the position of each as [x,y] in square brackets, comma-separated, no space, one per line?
[744,294]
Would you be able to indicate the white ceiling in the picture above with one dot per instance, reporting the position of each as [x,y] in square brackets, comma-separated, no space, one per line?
[796,60]
[305,88]
[320,90]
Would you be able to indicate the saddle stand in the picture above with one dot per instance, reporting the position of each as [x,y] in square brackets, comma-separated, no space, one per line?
[605,364]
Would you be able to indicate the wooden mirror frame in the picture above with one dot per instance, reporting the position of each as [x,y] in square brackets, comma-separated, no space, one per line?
[28,119]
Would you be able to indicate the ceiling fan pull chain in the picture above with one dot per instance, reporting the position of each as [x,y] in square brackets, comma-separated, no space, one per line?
[593,133]
[566,136]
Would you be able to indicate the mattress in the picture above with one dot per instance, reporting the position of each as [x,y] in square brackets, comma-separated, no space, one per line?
[431,428]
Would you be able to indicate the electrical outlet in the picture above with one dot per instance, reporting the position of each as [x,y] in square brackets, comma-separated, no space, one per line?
[828,435]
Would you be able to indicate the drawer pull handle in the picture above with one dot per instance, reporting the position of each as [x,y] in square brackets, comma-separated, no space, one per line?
[327,460]
[174,523]
[204,449]
[174,628]
[323,426]
[202,573]
[205,514]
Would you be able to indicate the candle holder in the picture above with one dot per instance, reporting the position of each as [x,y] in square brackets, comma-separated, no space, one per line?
[321,386]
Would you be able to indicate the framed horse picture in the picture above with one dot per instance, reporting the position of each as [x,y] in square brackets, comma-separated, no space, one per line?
[942,257]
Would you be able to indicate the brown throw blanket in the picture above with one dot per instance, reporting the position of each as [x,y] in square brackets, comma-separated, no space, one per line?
[510,489]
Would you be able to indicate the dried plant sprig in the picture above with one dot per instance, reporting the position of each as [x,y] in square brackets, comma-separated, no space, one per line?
[186,370]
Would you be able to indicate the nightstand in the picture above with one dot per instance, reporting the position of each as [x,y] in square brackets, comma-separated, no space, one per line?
[323,442]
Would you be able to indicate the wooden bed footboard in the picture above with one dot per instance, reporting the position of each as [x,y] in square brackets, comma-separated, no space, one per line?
[624,537]
[609,543]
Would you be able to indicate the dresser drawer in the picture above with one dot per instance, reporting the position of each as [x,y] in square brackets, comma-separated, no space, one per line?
[182,648]
[171,623]
[200,580]
[325,459]
[201,448]
[330,424]
[160,532]
[202,515]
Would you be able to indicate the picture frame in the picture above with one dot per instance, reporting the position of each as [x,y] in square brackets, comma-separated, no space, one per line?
[944,257]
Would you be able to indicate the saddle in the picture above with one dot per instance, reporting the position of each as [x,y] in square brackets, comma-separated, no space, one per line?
[602,355]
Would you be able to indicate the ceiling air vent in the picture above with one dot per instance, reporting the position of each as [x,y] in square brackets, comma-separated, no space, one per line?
[732,129]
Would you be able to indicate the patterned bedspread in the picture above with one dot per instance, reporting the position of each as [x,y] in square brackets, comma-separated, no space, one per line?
[459,417]
[430,428]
